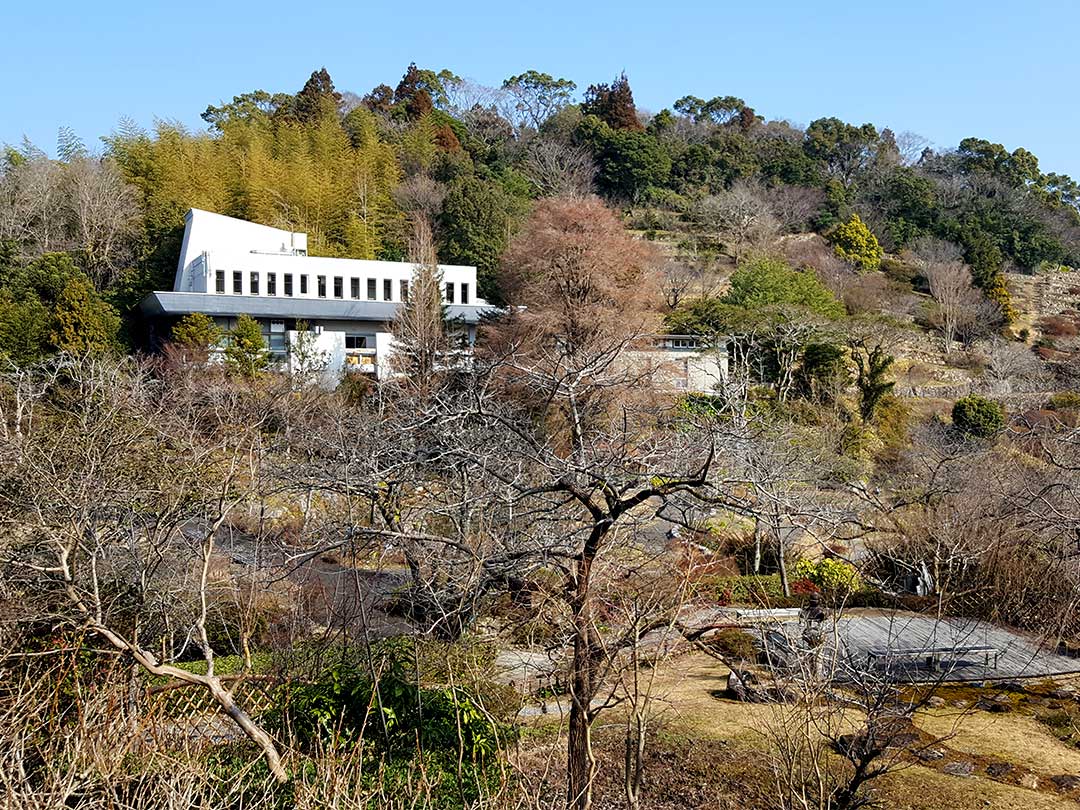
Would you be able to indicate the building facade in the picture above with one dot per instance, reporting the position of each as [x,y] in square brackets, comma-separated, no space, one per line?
[229,267]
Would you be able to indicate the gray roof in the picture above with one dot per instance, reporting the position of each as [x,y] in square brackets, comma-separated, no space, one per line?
[312,309]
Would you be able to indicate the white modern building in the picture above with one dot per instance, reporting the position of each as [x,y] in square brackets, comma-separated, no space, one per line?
[229,267]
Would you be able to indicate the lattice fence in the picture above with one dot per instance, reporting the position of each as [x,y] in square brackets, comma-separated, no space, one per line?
[191,701]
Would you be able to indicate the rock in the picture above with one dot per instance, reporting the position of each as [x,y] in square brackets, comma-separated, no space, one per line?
[1029,781]
[934,702]
[960,704]
[1062,694]
[960,768]
[1012,686]
[1000,769]
[930,754]
[1066,782]
[993,706]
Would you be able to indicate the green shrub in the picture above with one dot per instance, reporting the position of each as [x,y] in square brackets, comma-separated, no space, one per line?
[829,574]
[978,416]
[1064,401]
[854,242]
[394,715]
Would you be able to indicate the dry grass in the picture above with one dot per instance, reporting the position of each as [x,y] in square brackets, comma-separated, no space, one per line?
[1019,739]
[918,788]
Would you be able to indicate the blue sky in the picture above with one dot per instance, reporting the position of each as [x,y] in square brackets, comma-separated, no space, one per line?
[946,70]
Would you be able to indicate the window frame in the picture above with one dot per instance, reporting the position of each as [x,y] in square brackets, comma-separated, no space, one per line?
[320,286]
[219,282]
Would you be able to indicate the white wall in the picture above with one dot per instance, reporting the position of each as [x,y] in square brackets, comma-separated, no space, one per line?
[213,242]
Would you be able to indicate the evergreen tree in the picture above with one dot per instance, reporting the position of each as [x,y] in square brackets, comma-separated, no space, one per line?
[317,98]
[82,322]
[197,333]
[613,104]
[246,353]
[854,242]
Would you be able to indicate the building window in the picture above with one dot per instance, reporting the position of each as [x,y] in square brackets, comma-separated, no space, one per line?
[404,289]
[303,285]
[354,287]
[339,287]
[387,290]
[449,292]
[359,341]
[464,293]
[220,280]
[237,283]
[276,339]
[271,283]
[287,280]
[371,289]
[321,281]
[253,286]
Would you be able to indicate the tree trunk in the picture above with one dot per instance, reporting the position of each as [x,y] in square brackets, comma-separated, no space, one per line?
[782,562]
[580,764]
[757,545]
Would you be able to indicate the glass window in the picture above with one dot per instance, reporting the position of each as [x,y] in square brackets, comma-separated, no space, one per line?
[404,289]
[237,282]
[371,289]
[387,290]
[321,281]
[303,285]
[358,342]
[287,280]
[464,293]
[449,292]
[354,287]
[339,287]
[271,283]
[220,281]
[253,287]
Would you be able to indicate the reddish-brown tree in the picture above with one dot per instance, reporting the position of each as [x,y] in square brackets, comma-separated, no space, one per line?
[612,103]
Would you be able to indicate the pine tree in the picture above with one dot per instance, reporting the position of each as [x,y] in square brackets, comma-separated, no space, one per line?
[246,353]
[196,332]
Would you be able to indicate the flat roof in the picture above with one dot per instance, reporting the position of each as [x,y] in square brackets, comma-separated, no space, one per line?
[261,306]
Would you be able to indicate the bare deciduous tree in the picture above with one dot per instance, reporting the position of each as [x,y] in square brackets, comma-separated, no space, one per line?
[559,169]
[741,218]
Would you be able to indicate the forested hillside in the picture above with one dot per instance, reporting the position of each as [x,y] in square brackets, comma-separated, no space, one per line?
[542,570]
[710,177]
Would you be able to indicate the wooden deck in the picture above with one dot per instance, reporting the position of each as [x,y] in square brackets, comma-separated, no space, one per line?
[858,633]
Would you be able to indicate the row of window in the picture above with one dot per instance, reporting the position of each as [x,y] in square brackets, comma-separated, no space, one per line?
[339,286]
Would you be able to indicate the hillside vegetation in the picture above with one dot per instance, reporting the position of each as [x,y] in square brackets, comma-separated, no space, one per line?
[535,575]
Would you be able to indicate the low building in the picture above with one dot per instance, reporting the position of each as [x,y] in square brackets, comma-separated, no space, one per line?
[689,363]
[229,267]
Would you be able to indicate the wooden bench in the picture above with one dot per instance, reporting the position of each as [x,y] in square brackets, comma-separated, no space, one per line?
[933,656]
